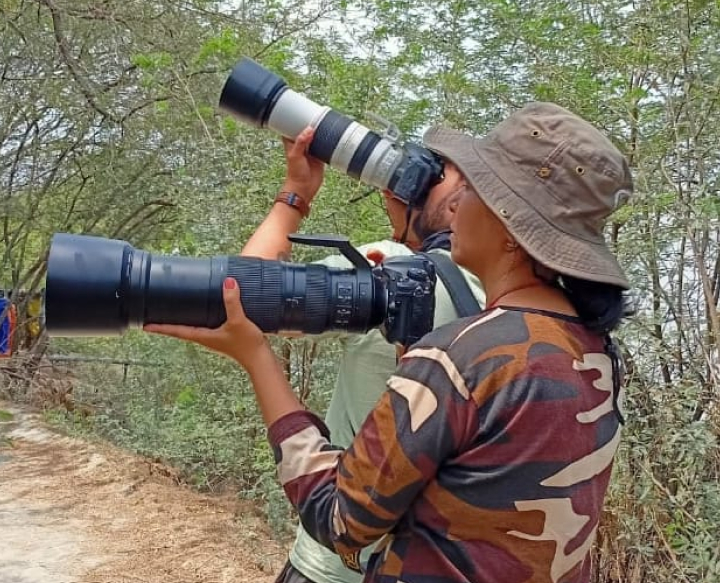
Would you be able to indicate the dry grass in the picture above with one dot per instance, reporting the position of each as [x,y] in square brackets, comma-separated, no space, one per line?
[138,522]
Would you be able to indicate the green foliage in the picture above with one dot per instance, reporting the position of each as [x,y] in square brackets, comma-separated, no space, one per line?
[152,61]
[666,489]
[226,45]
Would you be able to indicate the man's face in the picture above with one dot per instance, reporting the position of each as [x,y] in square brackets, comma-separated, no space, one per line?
[440,205]
[397,213]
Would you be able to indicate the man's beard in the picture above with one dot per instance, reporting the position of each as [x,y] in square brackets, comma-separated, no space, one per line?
[426,223]
[433,220]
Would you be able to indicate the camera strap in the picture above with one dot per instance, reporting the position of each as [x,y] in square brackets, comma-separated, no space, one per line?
[457,286]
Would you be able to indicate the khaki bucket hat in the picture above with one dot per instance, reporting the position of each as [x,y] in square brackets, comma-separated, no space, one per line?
[552,179]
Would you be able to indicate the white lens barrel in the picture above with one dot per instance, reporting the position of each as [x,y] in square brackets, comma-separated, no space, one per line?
[347,146]
[344,144]
[381,164]
[293,113]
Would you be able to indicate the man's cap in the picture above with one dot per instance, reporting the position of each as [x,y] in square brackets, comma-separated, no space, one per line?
[553,179]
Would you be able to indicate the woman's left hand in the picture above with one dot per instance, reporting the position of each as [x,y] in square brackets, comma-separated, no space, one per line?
[238,337]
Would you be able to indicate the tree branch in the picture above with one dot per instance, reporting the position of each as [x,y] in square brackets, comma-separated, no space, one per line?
[68,59]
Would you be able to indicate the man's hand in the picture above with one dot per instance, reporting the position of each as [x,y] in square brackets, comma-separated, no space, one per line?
[376,256]
[304,176]
[304,173]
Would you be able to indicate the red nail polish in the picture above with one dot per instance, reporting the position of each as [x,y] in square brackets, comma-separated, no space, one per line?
[229,283]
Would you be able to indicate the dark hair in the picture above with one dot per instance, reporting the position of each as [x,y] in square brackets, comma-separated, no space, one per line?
[601,306]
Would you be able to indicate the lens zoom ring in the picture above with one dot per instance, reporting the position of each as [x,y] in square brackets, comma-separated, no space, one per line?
[318,299]
[361,155]
[327,135]
[261,288]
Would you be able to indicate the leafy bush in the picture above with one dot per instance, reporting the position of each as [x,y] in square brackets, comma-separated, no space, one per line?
[660,523]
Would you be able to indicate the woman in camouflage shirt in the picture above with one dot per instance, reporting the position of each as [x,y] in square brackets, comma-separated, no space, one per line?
[488,457]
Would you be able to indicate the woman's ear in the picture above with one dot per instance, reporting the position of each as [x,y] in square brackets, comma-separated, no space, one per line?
[453,202]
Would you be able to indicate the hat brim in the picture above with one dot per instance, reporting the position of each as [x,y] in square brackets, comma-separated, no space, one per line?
[562,252]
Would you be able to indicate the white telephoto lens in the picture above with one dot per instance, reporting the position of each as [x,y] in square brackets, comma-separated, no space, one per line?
[293,113]
[347,146]
[381,164]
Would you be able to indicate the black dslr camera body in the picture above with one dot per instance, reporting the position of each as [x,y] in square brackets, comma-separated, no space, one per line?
[100,287]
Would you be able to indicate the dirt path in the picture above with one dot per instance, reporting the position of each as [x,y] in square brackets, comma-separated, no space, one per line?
[78,512]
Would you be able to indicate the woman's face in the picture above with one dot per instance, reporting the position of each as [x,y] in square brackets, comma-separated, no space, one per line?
[478,237]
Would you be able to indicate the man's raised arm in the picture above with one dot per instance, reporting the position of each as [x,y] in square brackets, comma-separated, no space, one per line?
[302,182]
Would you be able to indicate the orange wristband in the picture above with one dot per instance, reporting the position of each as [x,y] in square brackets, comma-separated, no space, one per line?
[294,200]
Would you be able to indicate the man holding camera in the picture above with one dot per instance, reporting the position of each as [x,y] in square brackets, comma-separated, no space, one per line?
[368,360]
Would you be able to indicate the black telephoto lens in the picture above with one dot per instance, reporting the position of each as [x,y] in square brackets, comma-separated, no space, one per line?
[100,287]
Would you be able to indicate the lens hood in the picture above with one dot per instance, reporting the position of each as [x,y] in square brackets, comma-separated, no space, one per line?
[250,92]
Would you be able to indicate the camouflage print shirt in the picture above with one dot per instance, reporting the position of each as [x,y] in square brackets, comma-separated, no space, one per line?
[486,460]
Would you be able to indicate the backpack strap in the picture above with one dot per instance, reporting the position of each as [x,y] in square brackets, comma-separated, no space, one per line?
[457,286]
